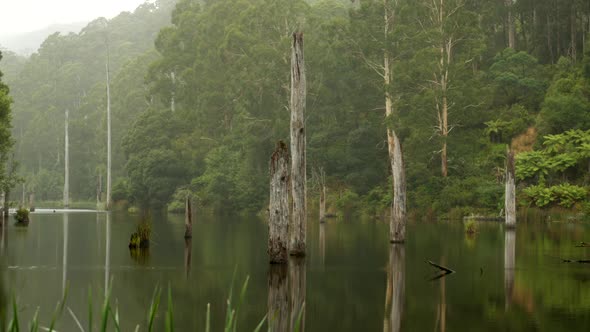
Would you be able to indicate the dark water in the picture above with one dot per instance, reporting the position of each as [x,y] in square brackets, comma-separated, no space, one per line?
[353,279]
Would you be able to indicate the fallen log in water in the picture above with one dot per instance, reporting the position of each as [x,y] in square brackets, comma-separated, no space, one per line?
[440,267]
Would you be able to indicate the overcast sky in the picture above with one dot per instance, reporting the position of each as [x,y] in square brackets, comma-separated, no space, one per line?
[28,15]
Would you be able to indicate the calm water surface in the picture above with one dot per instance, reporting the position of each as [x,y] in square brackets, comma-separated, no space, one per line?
[351,280]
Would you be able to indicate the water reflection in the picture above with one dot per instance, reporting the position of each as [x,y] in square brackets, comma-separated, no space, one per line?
[441,312]
[278,298]
[509,262]
[107,263]
[322,244]
[297,288]
[65,253]
[188,248]
[395,291]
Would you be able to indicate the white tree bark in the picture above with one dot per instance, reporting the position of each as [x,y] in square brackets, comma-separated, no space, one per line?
[108,199]
[67,165]
[398,216]
[397,228]
[298,168]
[278,221]
[278,299]
[396,285]
[510,26]
[510,195]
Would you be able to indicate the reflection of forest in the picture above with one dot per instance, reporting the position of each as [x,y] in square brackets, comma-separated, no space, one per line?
[395,291]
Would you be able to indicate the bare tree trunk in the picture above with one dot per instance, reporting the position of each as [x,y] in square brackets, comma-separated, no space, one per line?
[510,24]
[188,219]
[188,246]
[323,244]
[67,165]
[398,216]
[6,203]
[278,221]
[549,43]
[395,291]
[297,288]
[23,198]
[322,182]
[509,263]
[397,228]
[278,299]
[99,189]
[298,169]
[32,201]
[510,195]
[108,199]
[573,49]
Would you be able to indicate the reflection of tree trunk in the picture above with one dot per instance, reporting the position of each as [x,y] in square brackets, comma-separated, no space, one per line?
[441,314]
[297,291]
[188,246]
[2,234]
[396,284]
[509,263]
[322,244]
[107,263]
[65,252]
[278,301]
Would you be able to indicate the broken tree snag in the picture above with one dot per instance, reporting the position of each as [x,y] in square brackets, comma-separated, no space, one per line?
[188,219]
[510,195]
[278,298]
[509,263]
[298,174]
[395,291]
[278,220]
[397,227]
[32,201]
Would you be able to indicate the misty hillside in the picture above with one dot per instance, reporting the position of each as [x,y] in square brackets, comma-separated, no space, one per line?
[28,42]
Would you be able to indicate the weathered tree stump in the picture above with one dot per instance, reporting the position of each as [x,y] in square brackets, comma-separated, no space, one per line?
[278,220]
[188,219]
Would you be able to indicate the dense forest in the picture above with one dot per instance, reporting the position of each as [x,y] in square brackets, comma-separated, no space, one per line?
[200,93]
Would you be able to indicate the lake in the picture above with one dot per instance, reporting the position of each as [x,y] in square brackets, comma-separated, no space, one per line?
[351,280]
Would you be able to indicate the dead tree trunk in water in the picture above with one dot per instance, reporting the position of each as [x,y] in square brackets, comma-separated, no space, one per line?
[395,291]
[188,219]
[67,165]
[298,172]
[397,227]
[278,299]
[510,195]
[278,221]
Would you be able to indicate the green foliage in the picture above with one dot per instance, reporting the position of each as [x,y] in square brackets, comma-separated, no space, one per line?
[22,215]
[564,195]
